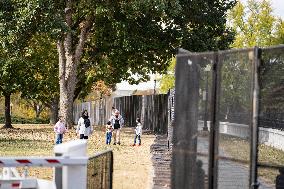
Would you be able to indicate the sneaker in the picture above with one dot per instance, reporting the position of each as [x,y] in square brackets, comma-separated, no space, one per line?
[118,143]
[114,143]
[132,145]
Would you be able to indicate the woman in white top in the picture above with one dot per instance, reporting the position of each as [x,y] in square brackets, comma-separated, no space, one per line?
[84,127]
[117,123]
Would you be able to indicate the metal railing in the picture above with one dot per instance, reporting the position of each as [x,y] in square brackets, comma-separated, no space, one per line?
[99,171]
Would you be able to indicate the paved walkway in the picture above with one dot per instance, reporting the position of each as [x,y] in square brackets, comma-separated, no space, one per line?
[232,175]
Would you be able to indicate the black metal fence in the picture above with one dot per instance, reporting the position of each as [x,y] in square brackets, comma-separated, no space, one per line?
[99,110]
[152,109]
[99,171]
[228,119]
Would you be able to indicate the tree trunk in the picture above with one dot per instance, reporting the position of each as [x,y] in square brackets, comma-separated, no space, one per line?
[67,82]
[53,111]
[7,111]
[69,58]
[38,109]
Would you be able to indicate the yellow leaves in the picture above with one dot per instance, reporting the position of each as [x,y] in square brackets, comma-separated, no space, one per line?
[167,81]
[82,25]
[38,76]
[101,87]
[254,23]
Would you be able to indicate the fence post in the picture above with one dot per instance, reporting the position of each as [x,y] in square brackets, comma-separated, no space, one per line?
[186,122]
[214,123]
[73,177]
[58,175]
[254,128]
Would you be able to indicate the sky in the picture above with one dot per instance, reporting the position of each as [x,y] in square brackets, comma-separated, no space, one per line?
[278,10]
[142,86]
[277,6]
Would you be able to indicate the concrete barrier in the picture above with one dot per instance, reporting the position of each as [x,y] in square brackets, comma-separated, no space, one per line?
[267,136]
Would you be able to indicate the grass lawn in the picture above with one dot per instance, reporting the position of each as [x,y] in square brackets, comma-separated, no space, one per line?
[132,165]
[240,149]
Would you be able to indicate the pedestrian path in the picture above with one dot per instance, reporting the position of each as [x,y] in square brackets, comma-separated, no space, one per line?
[161,159]
[231,175]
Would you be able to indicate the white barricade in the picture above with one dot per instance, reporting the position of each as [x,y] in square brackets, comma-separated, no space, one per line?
[73,160]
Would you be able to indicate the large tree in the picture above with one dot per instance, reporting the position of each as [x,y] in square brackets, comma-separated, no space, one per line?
[11,70]
[112,40]
[11,66]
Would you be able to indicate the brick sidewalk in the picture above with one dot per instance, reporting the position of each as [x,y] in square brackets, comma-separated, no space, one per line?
[161,159]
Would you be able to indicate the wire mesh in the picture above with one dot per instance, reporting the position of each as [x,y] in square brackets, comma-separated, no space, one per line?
[99,171]
[238,140]
[191,121]
[205,62]
[271,117]
[234,117]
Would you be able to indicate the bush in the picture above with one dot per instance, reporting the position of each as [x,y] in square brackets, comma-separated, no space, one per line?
[21,120]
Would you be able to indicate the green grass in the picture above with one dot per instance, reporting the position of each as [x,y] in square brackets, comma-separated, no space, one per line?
[15,147]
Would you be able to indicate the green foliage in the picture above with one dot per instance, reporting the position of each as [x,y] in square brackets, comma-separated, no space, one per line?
[140,37]
[125,38]
[168,80]
[255,25]
[20,19]
[10,75]
[41,82]
[235,101]
[201,26]
[271,79]
[279,33]
[21,120]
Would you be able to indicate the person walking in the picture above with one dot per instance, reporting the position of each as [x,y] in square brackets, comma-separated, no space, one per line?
[138,132]
[108,132]
[59,129]
[117,123]
[84,128]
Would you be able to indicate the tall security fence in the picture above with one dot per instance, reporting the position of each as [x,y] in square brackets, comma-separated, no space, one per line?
[171,112]
[99,110]
[225,103]
[152,109]
[99,171]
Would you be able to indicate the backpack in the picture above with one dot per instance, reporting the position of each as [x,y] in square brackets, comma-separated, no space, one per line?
[116,124]
[87,123]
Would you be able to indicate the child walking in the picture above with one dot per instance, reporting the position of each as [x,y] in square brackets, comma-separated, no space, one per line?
[59,129]
[108,132]
[138,132]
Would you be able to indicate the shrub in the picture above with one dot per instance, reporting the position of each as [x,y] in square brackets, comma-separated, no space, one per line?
[21,120]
